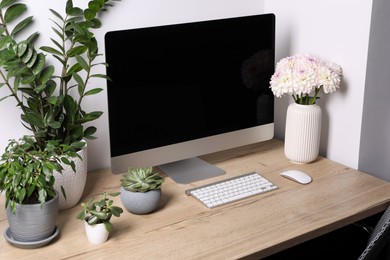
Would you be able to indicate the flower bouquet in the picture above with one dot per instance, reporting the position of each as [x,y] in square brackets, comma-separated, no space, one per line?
[303,76]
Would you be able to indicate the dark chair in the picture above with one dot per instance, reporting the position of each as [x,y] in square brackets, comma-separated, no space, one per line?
[364,240]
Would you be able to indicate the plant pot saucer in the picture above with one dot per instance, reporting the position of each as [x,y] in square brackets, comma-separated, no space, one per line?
[32,244]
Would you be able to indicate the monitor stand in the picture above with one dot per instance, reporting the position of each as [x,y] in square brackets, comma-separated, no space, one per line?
[190,170]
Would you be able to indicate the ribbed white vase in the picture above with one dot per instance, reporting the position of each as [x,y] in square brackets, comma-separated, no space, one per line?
[303,133]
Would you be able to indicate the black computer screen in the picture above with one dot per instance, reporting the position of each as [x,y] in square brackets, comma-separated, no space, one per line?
[175,83]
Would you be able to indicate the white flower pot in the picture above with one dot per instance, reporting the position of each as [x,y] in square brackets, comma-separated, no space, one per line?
[96,234]
[303,133]
[72,182]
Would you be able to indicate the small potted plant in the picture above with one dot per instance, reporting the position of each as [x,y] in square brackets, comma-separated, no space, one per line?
[27,180]
[141,190]
[97,214]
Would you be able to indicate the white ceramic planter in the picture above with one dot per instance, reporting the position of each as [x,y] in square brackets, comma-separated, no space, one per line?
[303,133]
[72,182]
[96,234]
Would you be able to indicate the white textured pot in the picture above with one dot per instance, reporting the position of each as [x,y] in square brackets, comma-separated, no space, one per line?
[72,182]
[140,202]
[303,133]
[96,234]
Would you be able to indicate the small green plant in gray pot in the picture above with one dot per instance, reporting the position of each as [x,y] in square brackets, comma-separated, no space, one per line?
[97,214]
[26,179]
[141,190]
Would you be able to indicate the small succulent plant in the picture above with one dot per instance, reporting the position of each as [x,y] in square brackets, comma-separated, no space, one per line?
[141,180]
[100,211]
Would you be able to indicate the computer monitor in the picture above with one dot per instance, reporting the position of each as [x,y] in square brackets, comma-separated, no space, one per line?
[180,91]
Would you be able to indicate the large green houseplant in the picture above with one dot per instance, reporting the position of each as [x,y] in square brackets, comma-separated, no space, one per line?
[51,95]
[51,102]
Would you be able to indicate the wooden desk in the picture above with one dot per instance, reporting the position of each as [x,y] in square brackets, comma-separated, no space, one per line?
[182,228]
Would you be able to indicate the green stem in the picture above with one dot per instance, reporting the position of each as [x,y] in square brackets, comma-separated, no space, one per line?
[317,91]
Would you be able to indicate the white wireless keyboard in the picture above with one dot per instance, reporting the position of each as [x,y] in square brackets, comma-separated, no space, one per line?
[233,189]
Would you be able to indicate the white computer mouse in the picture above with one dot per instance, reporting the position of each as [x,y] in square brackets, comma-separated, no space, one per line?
[297,176]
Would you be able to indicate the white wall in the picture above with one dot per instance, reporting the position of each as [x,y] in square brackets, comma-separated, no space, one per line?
[125,14]
[332,29]
[337,31]
[375,137]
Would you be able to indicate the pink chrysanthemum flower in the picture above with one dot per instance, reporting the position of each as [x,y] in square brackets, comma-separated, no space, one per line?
[303,74]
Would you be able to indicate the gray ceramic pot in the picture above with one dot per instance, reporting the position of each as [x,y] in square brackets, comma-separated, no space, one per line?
[31,222]
[140,202]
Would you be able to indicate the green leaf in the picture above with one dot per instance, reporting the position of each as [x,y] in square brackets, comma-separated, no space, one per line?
[31,62]
[76,51]
[100,214]
[92,116]
[75,68]
[75,11]
[56,14]
[5,40]
[114,194]
[22,194]
[62,61]
[51,86]
[89,14]
[70,105]
[22,47]
[93,220]
[50,50]
[54,124]
[82,62]
[116,211]
[94,6]
[23,24]
[17,72]
[46,74]
[60,35]
[108,226]
[78,145]
[13,12]
[27,55]
[89,132]
[28,79]
[93,91]
[100,76]
[42,194]
[5,3]
[32,37]
[39,64]
[34,119]
[30,190]
[57,44]
[95,23]
[6,54]
[63,192]
[79,80]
